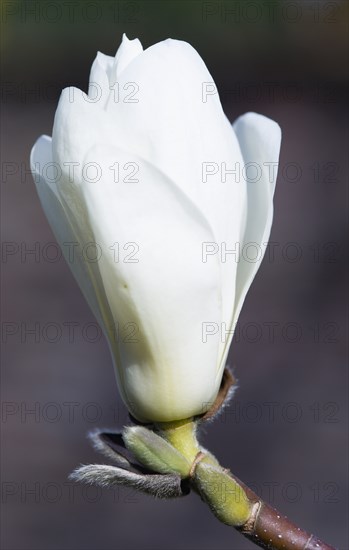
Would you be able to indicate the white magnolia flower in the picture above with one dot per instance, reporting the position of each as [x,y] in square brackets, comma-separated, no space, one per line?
[140,167]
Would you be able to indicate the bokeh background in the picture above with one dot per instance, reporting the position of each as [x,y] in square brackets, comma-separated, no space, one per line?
[285,432]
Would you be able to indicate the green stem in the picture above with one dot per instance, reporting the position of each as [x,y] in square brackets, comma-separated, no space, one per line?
[226,498]
[182,435]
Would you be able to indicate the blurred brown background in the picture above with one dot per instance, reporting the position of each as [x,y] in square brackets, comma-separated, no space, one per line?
[285,432]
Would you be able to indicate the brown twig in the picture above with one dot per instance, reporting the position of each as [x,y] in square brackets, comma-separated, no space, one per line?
[267,528]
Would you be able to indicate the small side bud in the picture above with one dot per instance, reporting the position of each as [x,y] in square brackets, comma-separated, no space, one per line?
[154,452]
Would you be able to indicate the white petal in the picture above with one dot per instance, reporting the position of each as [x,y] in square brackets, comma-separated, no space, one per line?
[41,161]
[127,52]
[106,70]
[99,82]
[77,126]
[260,139]
[168,373]
[104,62]
[63,228]
[171,115]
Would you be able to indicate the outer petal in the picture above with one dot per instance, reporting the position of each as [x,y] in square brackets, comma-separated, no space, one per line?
[78,124]
[260,139]
[173,123]
[99,86]
[165,370]
[62,224]
[174,119]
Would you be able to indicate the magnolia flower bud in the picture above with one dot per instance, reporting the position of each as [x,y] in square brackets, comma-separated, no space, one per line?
[155,188]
